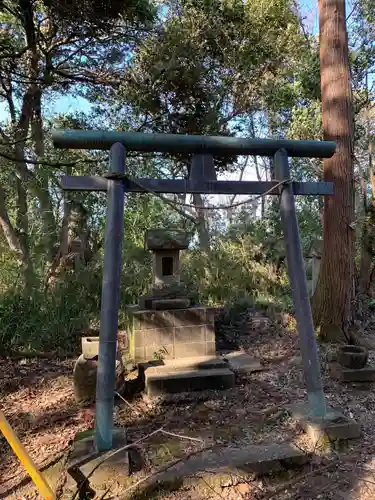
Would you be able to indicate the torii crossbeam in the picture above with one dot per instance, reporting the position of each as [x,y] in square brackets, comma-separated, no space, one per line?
[203,148]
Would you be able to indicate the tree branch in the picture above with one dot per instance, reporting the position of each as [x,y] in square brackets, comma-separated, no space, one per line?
[43,162]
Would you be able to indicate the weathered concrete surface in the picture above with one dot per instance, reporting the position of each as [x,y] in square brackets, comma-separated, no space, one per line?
[84,458]
[227,462]
[243,363]
[170,380]
[366,374]
[84,378]
[335,426]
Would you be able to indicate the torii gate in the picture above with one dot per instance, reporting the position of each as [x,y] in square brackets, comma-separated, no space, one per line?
[116,183]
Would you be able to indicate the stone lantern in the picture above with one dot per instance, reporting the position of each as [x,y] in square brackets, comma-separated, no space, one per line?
[165,247]
[164,324]
[166,291]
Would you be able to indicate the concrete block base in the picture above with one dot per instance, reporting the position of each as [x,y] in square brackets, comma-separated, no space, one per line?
[84,458]
[172,334]
[188,375]
[366,374]
[335,425]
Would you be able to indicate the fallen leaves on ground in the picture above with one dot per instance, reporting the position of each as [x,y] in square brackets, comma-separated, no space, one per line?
[37,398]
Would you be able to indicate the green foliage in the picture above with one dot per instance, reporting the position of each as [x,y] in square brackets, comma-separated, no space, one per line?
[306,122]
[180,66]
[100,13]
[50,322]
[231,272]
[213,61]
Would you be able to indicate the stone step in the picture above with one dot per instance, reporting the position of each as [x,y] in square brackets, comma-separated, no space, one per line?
[242,363]
[220,467]
[185,364]
[166,304]
[200,362]
[171,380]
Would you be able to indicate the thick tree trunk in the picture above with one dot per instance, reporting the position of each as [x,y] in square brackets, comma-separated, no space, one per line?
[332,298]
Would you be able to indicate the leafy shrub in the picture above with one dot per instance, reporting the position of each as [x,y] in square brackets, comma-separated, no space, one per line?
[231,273]
[43,322]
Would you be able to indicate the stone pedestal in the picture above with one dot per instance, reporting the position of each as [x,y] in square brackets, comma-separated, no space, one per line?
[166,329]
[85,461]
[335,425]
[366,374]
[172,334]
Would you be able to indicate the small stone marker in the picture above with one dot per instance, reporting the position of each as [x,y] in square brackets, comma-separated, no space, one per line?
[334,426]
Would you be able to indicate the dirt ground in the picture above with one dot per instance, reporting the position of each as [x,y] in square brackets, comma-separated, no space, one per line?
[37,398]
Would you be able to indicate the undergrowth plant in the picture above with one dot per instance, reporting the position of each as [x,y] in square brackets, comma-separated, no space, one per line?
[230,274]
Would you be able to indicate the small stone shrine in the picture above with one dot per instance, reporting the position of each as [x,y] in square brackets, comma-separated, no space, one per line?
[172,342]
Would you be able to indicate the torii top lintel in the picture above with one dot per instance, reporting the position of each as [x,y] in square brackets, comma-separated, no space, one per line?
[178,143]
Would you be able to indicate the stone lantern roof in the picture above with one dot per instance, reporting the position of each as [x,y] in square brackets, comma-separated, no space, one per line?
[167,239]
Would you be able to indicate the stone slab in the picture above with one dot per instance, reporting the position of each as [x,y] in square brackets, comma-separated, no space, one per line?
[226,462]
[168,380]
[243,363]
[198,362]
[334,426]
[193,363]
[152,302]
[84,458]
[166,304]
[366,374]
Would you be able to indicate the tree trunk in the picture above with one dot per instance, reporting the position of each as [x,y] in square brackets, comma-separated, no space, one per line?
[74,251]
[16,237]
[332,298]
[368,234]
[202,226]
[22,227]
[368,227]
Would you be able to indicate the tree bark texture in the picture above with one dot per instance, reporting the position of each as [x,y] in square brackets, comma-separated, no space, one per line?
[332,299]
